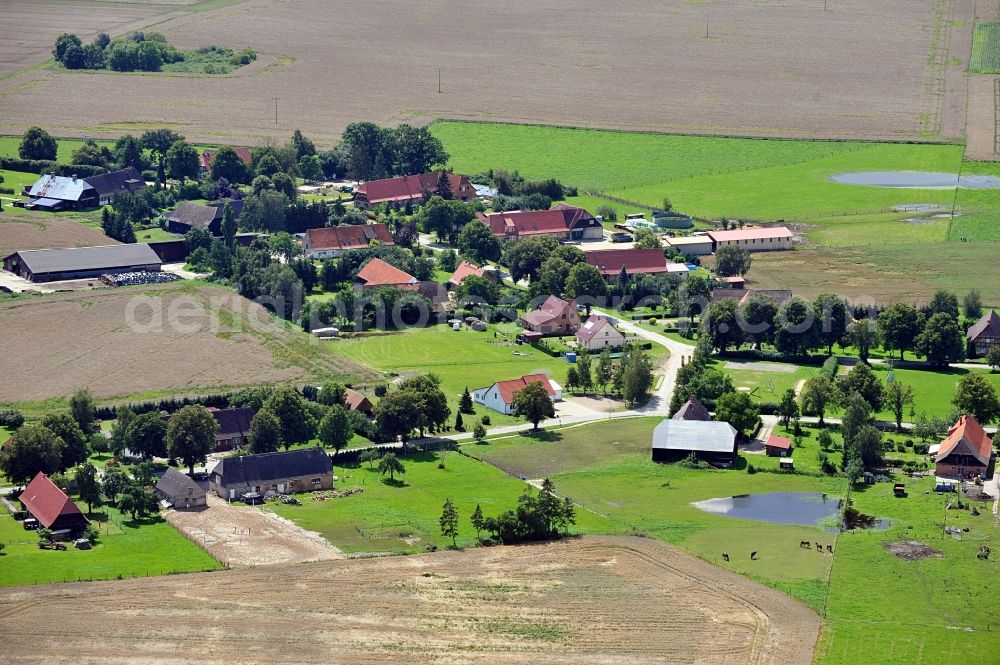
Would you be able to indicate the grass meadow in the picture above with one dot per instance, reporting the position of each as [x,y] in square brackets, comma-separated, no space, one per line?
[985,48]
[145,547]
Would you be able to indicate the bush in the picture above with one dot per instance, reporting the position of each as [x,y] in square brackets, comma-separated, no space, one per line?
[11,418]
[921,448]
[48,166]
[829,368]
[486,420]
[608,213]
[750,469]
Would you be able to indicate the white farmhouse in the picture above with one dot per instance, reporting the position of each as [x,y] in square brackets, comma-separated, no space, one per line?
[597,333]
[500,396]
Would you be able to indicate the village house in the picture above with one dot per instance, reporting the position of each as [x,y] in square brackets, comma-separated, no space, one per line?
[757,239]
[597,334]
[333,241]
[711,441]
[778,446]
[500,396]
[180,491]
[52,508]
[465,269]
[52,193]
[289,472]
[564,222]
[554,317]
[208,155]
[635,262]
[378,273]
[412,189]
[965,452]
[51,265]
[691,246]
[355,401]
[984,334]
[692,409]
[189,215]
[234,427]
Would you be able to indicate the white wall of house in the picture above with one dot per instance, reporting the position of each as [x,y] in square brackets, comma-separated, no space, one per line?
[758,244]
[491,399]
[606,337]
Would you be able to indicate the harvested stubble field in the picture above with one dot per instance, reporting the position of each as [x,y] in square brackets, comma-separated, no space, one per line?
[20,232]
[858,70]
[584,601]
[206,338]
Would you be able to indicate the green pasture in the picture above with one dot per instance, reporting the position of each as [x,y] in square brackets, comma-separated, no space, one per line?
[403,516]
[932,389]
[148,546]
[765,385]
[985,48]
[461,359]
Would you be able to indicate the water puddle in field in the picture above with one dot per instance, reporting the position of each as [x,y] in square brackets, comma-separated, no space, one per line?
[917,180]
[801,508]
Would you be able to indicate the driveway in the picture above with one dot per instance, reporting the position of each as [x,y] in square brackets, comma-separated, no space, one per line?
[240,535]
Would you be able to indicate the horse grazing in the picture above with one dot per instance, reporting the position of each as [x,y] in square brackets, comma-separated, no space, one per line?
[806,544]
[725,556]
[829,548]
[753,555]
[819,547]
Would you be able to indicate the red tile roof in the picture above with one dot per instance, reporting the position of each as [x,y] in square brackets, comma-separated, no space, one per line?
[635,261]
[411,188]
[355,401]
[379,273]
[208,156]
[967,437]
[464,270]
[779,442]
[552,308]
[46,502]
[761,233]
[508,388]
[557,220]
[357,236]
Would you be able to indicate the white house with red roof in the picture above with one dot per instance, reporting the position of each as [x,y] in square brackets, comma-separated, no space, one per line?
[500,396]
[332,241]
[597,334]
[966,452]
[412,189]
[377,273]
[564,222]
[757,239]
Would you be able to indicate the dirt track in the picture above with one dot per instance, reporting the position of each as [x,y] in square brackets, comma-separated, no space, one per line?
[594,600]
[245,536]
[857,70]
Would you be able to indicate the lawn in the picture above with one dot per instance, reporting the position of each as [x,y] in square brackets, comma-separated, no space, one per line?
[985,48]
[461,359]
[155,235]
[125,549]
[403,516]
[762,384]
[932,389]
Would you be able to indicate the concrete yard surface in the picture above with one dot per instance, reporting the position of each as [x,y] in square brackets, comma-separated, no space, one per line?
[587,600]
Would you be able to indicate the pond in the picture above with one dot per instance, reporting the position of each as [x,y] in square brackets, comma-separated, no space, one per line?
[917,180]
[802,508]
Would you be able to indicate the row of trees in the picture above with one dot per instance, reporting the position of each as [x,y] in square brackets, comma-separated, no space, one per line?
[631,376]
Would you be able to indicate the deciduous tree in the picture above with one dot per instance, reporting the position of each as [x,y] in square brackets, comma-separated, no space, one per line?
[288,406]
[976,396]
[75,449]
[739,410]
[335,429]
[36,143]
[732,260]
[81,405]
[31,449]
[817,393]
[941,341]
[533,403]
[191,435]
[87,486]
[449,522]
[390,464]
[145,435]
[265,433]
[899,326]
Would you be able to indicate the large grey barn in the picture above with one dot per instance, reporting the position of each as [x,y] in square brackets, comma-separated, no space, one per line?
[51,265]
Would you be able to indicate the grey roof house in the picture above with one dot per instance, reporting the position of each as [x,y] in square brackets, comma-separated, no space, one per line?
[303,470]
[127,181]
[50,265]
[712,441]
[53,193]
[692,410]
[234,427]
[190,215]
[180,491]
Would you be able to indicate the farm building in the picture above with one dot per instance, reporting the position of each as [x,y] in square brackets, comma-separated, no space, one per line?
[779,296]
[190,215]
[635,262]
[564,222]
[234,427]
[778,446]
[555,316]
[597,333]
[966,451]
[50,265]
[355,401]
[732,282]
[984,334]
[377,273]
[332,241]
[465,269]
[679,269]
[48,504]
[53,193]
[711,441]
[208,155]
[500,396]
[763,239]
[180,491]
[412,189]
[691,246]
[692,409]
[302,470]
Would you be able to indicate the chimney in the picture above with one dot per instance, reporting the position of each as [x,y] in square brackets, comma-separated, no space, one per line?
[74,177]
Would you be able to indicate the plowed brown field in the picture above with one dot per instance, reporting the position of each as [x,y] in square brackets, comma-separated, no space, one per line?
[20,232]
[172,338]
[889,70]
[622,600]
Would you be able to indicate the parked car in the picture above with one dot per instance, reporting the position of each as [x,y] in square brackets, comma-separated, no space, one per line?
[30,524]
[621,237]
[346,188]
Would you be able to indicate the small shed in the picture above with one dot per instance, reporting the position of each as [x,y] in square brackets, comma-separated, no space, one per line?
[778,446]
[786,464]
[180,491]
